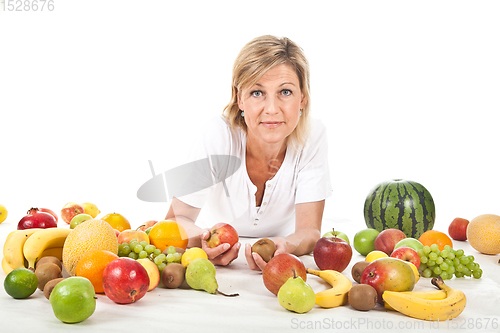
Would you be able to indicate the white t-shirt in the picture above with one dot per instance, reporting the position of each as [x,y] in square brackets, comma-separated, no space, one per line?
[303,177]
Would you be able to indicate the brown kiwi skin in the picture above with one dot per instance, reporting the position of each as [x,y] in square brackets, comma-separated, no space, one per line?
[357,270]
[173,275]
[265,248]
[49,286]
[46,272]
[362,297]
[54,260]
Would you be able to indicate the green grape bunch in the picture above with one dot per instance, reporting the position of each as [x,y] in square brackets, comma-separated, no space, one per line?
[447,263]
[141,250]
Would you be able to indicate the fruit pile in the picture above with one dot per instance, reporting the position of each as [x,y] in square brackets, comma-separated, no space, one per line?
[100,255]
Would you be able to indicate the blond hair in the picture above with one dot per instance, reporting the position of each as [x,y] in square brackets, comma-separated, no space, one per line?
[253,61]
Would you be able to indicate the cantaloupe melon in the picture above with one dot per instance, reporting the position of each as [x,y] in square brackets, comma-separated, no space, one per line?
[93,234]
[483,233]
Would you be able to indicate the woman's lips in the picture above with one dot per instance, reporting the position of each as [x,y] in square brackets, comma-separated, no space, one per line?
[271,124]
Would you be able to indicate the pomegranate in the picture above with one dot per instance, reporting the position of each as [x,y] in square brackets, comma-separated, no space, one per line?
[125,280]
[51,212]
[37,219]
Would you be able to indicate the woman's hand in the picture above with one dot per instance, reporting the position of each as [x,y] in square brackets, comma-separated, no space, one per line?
[255,261]
[222,254]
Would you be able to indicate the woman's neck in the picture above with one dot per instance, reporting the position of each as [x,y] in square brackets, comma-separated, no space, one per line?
[266,152]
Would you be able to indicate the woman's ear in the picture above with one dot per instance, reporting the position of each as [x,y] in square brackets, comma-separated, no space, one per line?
[303,102]
[240,102]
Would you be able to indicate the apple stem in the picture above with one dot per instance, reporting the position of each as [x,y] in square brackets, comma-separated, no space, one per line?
[294,274]
[217,291]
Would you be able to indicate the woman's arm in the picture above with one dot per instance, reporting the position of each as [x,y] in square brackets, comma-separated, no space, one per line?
[186,216]
[308,218]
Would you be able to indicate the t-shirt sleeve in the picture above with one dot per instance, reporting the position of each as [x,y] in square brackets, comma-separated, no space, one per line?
[201,177]
[313,177]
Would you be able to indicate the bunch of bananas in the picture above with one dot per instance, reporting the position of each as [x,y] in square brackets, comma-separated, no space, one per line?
[443,304]
[23,248]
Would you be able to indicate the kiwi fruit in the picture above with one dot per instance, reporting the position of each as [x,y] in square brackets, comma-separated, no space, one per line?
[173,275]
[358,269]
[45,272]
[265,248]
[51,259]
[49,286]
[362,297]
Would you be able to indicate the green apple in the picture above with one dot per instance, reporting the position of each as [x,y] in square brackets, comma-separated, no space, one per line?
[77,219]
[339,234]
[364,241]
[409,242]
[73,299]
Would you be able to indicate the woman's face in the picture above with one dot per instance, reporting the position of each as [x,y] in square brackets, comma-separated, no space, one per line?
[272,106]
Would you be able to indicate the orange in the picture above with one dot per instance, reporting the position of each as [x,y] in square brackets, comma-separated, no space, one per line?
[483,233]
[91,266]
[435,237]
[168,233]
[117,221]
[94,234]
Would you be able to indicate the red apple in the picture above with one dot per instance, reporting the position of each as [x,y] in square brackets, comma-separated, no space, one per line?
[222,233]
[407,254]
[125,280]
[146,225]
[458,229]
[70,210]
[280,268]
[51,212]
[127,235]
[387,240]
[388,274]
[332,253]
[117,233]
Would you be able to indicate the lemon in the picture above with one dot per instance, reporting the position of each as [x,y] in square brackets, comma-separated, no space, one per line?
[91,209]
[415,271]
[20,283]
[3,213]
[374,255]
[192,254]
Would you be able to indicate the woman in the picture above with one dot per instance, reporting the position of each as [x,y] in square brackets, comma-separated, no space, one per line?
[283,180]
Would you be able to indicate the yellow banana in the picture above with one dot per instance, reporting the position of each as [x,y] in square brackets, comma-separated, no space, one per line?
[6,267]
[42,240]
[335,296]
[52,252]
[13,247]
[439,309]
[427,294]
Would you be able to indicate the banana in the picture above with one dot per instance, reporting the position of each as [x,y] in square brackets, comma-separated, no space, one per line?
[6,267]
[13,247]
[427,294]
[432,310]
[52,252]
[42,240]
[335,296]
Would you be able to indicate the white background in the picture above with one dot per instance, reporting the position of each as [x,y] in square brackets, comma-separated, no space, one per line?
[91,91]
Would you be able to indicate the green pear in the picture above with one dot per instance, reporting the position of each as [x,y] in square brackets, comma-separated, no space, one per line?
[200,275]
[296,295]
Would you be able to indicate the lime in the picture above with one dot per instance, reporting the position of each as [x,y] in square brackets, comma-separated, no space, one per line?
[21,283]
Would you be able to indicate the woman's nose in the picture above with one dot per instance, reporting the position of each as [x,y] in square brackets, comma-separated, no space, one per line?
[271,106]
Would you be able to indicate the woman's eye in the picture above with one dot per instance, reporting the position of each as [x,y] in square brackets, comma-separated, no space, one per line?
[286,92]
[256,93]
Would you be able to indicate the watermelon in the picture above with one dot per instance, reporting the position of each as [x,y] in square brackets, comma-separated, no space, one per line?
[400,204]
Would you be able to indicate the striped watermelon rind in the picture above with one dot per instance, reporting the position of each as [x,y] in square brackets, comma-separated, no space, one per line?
[400,204]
